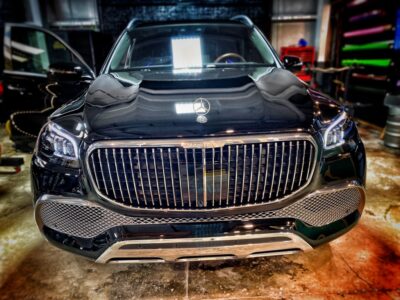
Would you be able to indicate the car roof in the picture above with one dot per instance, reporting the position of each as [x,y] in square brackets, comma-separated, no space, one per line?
[239,20]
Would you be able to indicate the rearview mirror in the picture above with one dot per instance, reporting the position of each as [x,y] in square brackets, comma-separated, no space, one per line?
[292,63]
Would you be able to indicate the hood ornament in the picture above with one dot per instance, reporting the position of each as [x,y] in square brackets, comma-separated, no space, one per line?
[201,107]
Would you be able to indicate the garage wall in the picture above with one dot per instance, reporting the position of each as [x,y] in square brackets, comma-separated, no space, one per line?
[115,14]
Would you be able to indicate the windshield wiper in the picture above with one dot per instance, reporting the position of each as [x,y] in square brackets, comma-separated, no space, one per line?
[205,66]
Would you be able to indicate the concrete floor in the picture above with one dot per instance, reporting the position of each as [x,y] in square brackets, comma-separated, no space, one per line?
[365,263]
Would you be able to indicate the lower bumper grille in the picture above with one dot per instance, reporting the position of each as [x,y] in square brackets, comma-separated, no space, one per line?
[249,170]
[83,219]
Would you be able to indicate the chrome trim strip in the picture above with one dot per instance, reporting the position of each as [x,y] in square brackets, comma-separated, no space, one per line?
[221,153]
[140,175]
[133,177]
[126,178]
[288,167]
[148,176]
[244,172]
[251,173]
[295,165]
[213,176]
[155,172]
[203,154]
[259,171]
[195,175]
[95,171]
[109,173]
[281,169]
[208,142]
[172,176]
[180,179]
[266,172]
[236,173]
[229,175]
[309,162]
[302,162]
[287,241]
[273,171]
[165,180]
[187,177]
[118,179]
[102,172]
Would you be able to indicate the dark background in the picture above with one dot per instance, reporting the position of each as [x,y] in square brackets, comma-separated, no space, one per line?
[94,42]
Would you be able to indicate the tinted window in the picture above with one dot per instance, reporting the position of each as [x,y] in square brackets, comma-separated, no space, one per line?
[34,50]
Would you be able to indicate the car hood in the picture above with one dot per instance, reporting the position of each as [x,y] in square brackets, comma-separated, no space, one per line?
[164,104]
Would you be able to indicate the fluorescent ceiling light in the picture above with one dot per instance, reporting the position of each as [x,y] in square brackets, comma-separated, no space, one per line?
[184,108]
[186,53]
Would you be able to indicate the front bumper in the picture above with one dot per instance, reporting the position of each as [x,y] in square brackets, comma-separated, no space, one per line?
[89,229]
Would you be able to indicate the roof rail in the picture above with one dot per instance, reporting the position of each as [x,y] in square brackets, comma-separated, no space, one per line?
[132,24]
[244,20]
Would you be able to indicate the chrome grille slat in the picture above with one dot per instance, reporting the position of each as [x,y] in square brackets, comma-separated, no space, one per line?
[244,172]
[109,173]
[102,171]
[251,173]
[195,175]
[295,165]
[148,177]
[203,155]
[187,176]
[141,176]
[119,181]
[229,175]
[164,177]
[221,151]
[95,172]
[153,152]
[273,171]
[302,163]
[126,178]
[222,176]
[309,162]
[236,173]
[172,175]
[288,172]
[133,176]
[259,171]
[281,169]
[179,175]
[266,172]
[213,176]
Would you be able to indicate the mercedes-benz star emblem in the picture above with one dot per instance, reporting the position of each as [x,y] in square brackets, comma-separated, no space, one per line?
[201,107]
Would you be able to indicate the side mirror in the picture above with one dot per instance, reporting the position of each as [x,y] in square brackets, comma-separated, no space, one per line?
[292,63]
[64,71]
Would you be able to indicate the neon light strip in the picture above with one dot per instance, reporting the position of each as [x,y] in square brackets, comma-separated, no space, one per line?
[368,31]
[367,15]
[383,63]
[368,46]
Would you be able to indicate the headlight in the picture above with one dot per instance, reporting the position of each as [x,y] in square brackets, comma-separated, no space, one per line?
[55,142]
[334,134]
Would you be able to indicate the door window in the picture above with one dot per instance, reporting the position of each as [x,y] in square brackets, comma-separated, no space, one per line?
[34,51]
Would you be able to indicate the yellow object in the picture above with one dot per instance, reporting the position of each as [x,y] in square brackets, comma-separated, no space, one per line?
[8,128]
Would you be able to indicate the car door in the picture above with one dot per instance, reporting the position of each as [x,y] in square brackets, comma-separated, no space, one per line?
[28,52]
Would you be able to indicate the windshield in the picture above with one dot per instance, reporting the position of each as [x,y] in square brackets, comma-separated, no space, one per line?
[191,46]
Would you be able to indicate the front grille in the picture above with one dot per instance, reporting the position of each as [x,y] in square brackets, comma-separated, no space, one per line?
[231,175]
[77,219]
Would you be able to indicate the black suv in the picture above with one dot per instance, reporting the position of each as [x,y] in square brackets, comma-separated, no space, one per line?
[196,143]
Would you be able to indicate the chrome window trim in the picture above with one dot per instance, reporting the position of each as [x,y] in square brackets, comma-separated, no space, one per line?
[200,143]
